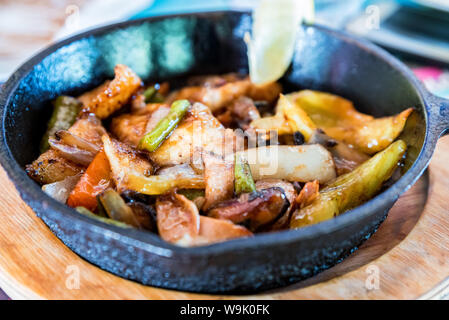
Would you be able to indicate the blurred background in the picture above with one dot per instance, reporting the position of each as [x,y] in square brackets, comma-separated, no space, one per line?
[417,31]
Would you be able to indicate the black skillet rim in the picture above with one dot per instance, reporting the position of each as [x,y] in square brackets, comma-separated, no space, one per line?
[32,194]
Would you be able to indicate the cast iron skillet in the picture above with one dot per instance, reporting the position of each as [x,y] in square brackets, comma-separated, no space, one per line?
[173,46]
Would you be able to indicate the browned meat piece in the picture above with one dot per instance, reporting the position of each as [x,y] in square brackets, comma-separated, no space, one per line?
[219,177]
[130,128]
[217,230]
[52,167]
[89,128]
[199,130]
[217,92]
[124,162]
[112,95]
[243,111]
[178,219]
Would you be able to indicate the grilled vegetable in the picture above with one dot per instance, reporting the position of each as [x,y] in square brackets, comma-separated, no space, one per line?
[259,208]
[92,215]
[72,153]
[152,140]
[117,209]
[308,193]
[297,119]
[130,128]
[351,189]
[293,163]
[152,95]
[154,185]
[60,190]
[341,121]
[290,193]
[192,194]
[244,181]
[94,181]
[65,111]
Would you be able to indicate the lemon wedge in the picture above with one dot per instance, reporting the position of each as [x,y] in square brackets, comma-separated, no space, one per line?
[275,27]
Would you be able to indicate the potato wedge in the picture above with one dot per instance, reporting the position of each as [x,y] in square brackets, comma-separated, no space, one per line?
[293,163]
[341,121]
[112,95]
[351,189]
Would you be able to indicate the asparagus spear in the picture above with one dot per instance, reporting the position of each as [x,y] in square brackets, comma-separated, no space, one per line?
[351,189]
[244,181]
[152,140]
[65,111]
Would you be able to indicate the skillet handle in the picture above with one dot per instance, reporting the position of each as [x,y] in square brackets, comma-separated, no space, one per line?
[441,114]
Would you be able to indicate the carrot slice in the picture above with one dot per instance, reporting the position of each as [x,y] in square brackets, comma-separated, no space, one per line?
[95,180]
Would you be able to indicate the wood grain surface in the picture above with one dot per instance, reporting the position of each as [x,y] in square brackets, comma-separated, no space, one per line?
[409,254]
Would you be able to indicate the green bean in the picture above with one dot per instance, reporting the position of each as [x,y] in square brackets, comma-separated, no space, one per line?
[65,111]
[192,194]
[152,140]
[244,181]
[152,95]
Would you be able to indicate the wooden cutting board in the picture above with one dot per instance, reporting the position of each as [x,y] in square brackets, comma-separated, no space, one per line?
[408,258]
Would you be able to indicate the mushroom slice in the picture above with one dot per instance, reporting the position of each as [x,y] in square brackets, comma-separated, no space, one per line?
[112,95]
[124,162]
[308,194]
[178,219]
[259,208]
[88,128]
[290,193]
